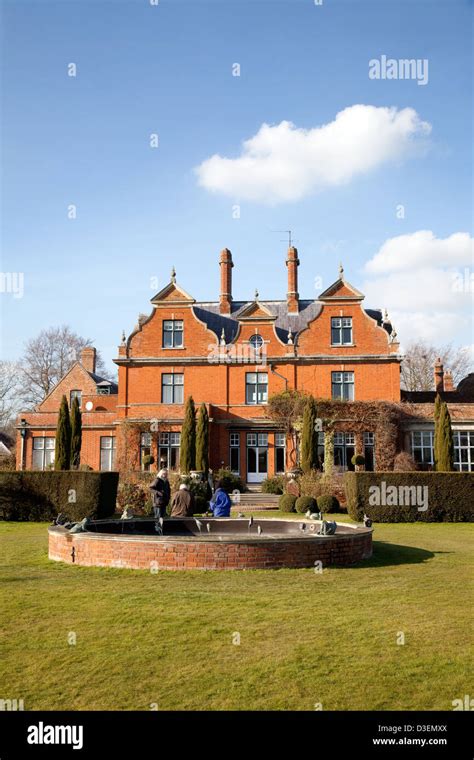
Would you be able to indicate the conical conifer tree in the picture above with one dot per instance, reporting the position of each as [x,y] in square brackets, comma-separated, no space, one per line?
[62,454]
[202,440]
[309,436]
[76,434]
[444,453]
[187,454]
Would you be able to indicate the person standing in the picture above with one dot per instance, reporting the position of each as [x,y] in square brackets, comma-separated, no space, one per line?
[161,493]
[183,503]
[220,503]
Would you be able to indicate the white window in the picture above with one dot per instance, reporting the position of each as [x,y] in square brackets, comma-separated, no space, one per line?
[107,452]
[234,440]
[172,333]
[256,388]
[463,450]
[169,443]
[172,388]
[341,331]
[145,450]
[422,446]
[43,453]
[75,394]
[343,385]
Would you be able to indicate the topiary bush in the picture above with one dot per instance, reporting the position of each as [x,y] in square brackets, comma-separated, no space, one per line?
[286,502]
[327,503]
[305,503]
[358,460]
[275,485]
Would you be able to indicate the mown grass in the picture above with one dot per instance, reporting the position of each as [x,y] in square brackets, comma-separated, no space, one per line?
[167,638]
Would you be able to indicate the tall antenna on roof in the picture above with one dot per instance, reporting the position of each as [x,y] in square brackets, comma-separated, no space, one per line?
[290,239]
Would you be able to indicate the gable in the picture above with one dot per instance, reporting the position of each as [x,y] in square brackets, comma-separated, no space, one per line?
[341,290]
[172,293]
[256,311]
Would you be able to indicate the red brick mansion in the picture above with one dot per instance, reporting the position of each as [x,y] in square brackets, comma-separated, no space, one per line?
[233,355]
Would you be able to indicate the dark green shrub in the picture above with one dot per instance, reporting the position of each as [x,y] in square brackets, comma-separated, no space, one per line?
[148,459]
[33,495]
[358,460]
[275,485]
[201,492]
[187,456]
[327,503]
[450,496]
[286,502]
[230,481]
[305,503]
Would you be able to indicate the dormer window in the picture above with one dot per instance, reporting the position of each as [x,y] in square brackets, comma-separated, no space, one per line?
[103,388]
[172,333]
[341,331]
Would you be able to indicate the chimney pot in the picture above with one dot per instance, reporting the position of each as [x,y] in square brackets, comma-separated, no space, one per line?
[439,376]
[448,381]
[292,296]
[226,265]
[88,358]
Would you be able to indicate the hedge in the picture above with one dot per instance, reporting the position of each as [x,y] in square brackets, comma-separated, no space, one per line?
[41,496]
[449,496]
[305,503]
[328,503]
[286,502]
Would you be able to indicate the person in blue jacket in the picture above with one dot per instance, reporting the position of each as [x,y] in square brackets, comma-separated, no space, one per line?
[220,503]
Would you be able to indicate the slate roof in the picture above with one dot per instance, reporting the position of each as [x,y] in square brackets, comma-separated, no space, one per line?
[464,394]
[208,312]
[98,380]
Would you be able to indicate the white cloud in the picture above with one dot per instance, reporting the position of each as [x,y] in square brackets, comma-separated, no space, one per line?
[427,285]
[285,163]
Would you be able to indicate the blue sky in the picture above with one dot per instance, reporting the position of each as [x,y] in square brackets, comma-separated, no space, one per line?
[167,69]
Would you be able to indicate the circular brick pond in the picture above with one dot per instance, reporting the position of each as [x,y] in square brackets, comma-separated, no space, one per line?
[209,544]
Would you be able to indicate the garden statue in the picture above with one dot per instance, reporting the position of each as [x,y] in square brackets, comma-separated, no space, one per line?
[367,521]
[127,514]
[80,527]
[327,528]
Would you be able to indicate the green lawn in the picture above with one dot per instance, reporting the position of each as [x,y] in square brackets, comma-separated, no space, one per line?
[306,638]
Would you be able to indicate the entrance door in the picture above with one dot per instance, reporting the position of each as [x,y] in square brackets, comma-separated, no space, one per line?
[257,457]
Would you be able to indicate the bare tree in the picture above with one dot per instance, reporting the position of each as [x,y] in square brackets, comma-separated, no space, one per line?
[46,360]
[419,360]
[9,393]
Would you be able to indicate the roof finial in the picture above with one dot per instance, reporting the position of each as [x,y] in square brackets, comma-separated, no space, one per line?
[173,275]
[256,294]
[341,271]
[223,343]
[290,337]
[124,338]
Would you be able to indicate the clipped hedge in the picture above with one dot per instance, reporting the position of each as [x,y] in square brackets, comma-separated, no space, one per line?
[328,503]
[305,503]
[41,496]
[449,496]
[286,502]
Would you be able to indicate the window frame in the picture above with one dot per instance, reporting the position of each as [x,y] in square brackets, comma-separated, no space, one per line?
[107,449]
[338,329]
[173,385]
[174,331]
[260,388]
[342,385]
[77,394]
[43,449]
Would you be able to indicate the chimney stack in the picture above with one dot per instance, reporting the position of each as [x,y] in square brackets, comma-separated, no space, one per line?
[292,296]
[448,381]
[88,358]
[225,298]
[439,376]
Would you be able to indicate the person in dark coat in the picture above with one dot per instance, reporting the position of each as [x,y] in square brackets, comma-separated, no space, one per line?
[161,493]
[183,502]
[220,503]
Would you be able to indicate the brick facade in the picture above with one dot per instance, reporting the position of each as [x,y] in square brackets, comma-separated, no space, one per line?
[226,354]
